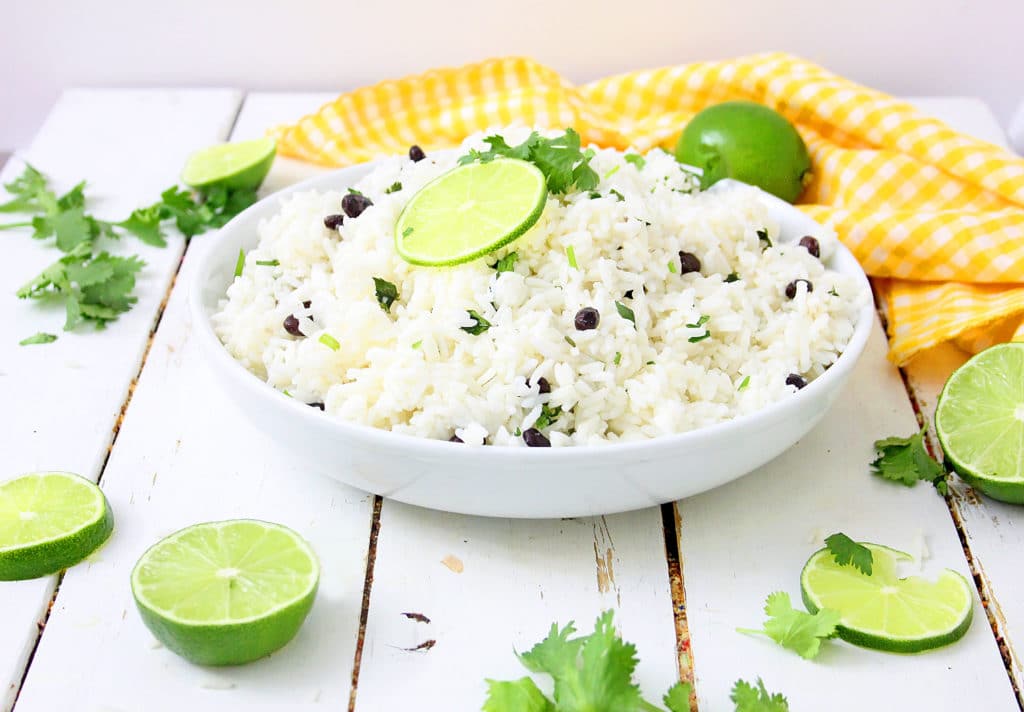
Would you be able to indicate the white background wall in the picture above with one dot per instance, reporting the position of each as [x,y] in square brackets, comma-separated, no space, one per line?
[902,46]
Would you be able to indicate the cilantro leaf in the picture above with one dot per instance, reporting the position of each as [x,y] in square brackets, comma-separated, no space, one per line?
[794,629]
[756,699]
[762,235]
[144,223]
[506,263]
[847,552]
[29,192]
[547,417]
[906,460]
[393,188]
[479,327]
[560,159]
[677,699]
[520,695]
[385,292]
[40,338]
[625,312]
[636,159]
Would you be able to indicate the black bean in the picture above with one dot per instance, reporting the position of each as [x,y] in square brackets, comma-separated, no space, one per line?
[416,154]
[307,304]
[291,325]
[333,222]
[535,438]
[688,262]
[354,204]
[542,385]
[455,439]
[811,243]
[628,294]
[791,287]
[317,404]
[795,379]
[587,318]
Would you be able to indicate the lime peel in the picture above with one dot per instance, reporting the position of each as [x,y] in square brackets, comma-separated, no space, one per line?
[235,166]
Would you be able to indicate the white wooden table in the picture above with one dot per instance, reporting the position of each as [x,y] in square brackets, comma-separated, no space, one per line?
[135,408]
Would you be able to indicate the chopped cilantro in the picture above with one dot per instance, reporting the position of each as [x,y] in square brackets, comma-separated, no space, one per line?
[672,267]
[621,198]
[636,159]
[593,195]
[570,252]
[744,383]
[756,699]
[287,392]
[329,341]
[569,341]
[268,263]
[393,188]
[547,417]
[625,312]
[696,339]
[650,363]
[847,552]
[833,291]
[385,292]
[353,191]
[762,235]
[794,629]
[906,460]
[417,344]
[480,326]
[733,277]
[704,318]
[506,263]
[613,171]
[240,263]
[564,165]
[518,432]
[40,338]
[618,358]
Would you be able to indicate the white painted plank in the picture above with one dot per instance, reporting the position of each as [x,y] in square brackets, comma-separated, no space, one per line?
[62,399]
[751,537]
[994,531]
[491,586]
[184,455]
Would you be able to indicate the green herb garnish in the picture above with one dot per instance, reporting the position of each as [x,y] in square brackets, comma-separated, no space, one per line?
[479,327]
[794,629]
[329,341]
[506,263]
[625,312]
[636,159]
[268,263]
[417,344]
[672,267]
[407,231]
[762,235]
[704,319]
[744,383]
[906,460]
[547,417]
[756,699]
[40,338]
[733,277]
[393,188]
[385,292]
[610,173]
[353,191]
[618,358]
[833,291]
[847,552]
[564,165]
[570,252]
[617,194]
[593,195]
[240,263]
[570,342]
[696,339]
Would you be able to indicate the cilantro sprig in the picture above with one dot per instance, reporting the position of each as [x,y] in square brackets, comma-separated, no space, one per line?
[846,552]
[98,288]
[560,159]
[906,460]
[757,699]
[794,629]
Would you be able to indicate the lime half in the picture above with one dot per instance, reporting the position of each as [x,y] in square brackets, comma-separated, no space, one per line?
[239,165]
[48,522]
[980,421]
[882,611]
[226,593]
[470,211]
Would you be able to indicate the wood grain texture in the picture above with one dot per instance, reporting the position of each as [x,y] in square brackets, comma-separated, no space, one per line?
[63,399]
[185,454]
[742,541]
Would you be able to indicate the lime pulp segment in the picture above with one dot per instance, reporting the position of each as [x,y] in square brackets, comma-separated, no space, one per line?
[48,522]
[243,164]
[225,593]
[980,421]
[470,211]
[883,611]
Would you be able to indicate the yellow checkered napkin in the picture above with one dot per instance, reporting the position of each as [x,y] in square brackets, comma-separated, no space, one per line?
[938,215]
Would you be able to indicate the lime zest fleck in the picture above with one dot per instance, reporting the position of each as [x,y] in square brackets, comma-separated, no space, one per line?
[612,172]
[287,393]
[417,344]
[744,383]
[570,252]
[407,231]
[618,358]
[329,341]
[672,267]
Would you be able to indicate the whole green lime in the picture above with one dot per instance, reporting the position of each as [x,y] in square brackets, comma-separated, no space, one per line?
[749,142]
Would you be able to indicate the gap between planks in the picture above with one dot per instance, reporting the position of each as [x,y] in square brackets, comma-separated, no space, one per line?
[364,614]
[987,598]
[115,431]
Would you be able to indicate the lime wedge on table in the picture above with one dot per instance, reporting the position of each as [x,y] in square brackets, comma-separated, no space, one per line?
[225,593]
[883,611]
[470,211]
[48,522]
[239,165]
[980,421]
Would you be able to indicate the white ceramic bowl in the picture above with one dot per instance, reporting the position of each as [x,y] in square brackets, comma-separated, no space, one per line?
[500,481]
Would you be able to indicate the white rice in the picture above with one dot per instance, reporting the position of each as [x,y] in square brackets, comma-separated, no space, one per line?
[416,371]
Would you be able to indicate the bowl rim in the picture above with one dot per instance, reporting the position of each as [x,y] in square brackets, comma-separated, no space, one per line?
[226,364]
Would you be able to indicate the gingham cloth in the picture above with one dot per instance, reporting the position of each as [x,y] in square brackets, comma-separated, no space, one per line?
[936,216]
